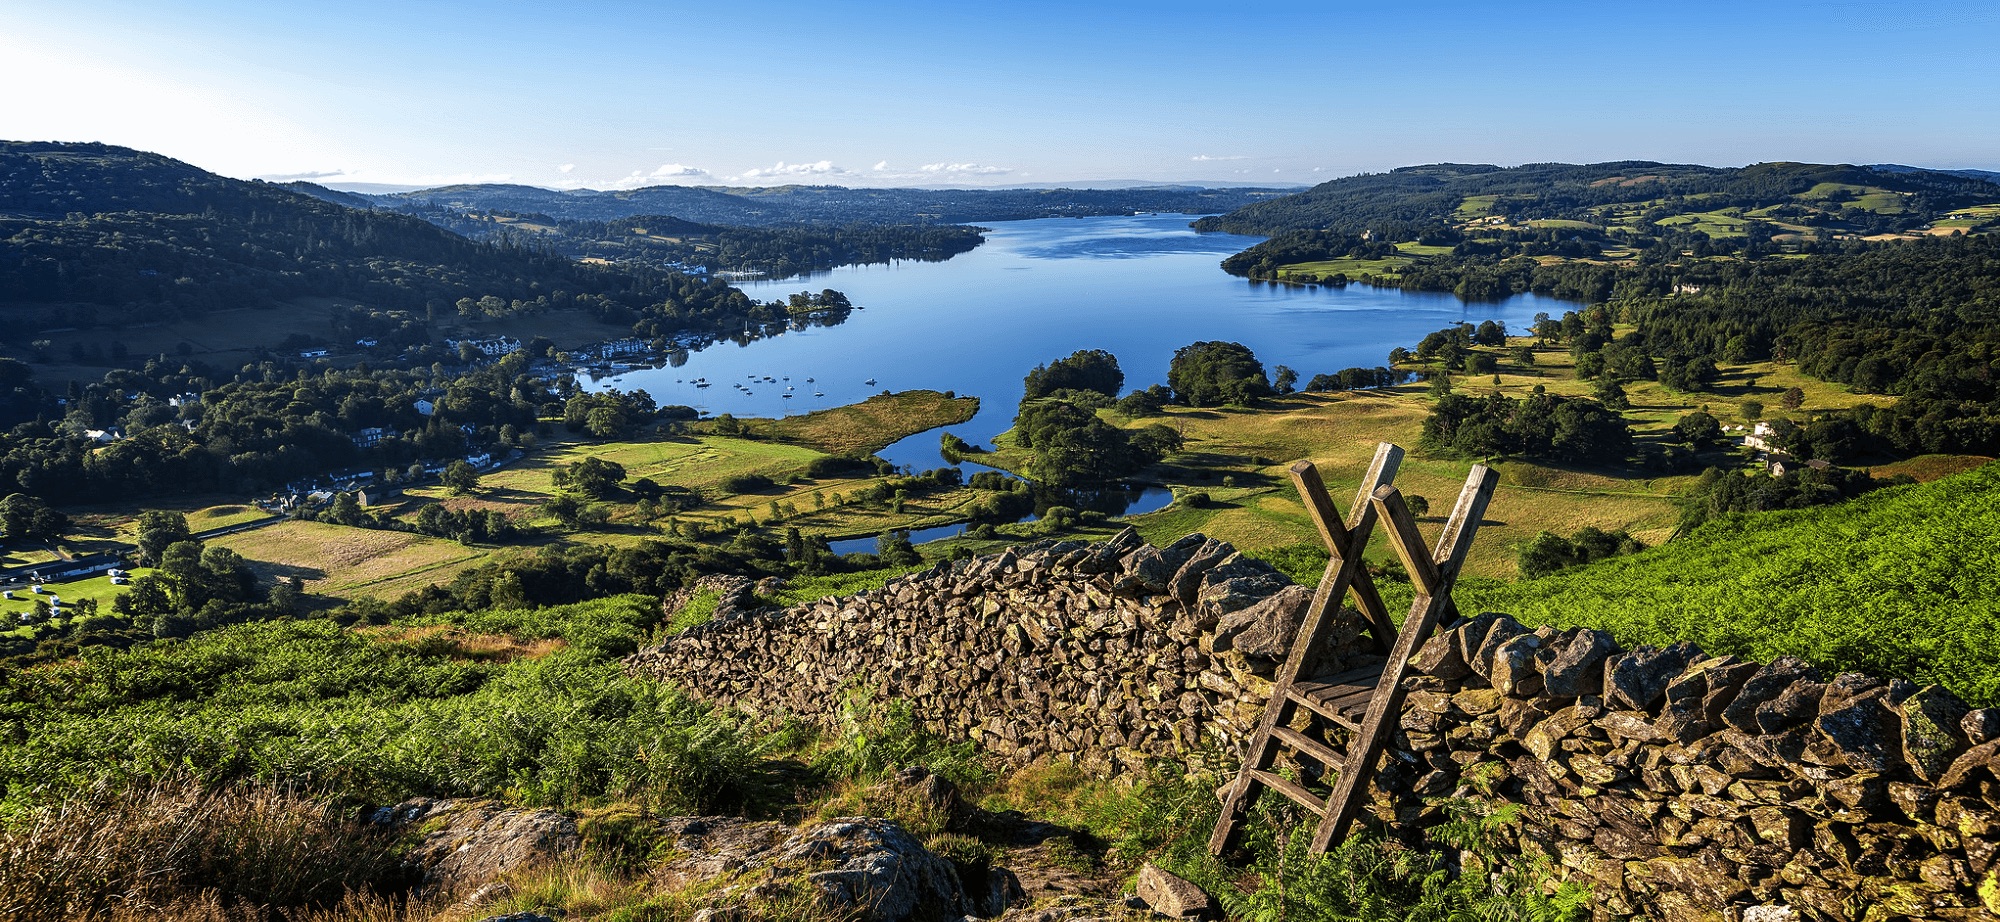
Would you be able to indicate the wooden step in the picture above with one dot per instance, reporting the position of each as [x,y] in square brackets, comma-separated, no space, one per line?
[1342,698]
[1326,755]
[1292,789]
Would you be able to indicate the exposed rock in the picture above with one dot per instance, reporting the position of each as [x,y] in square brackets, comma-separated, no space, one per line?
[869,867]
[462,845]
[1172,896]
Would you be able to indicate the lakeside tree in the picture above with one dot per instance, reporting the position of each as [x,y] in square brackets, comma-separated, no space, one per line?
[1083,370]
[1210,374]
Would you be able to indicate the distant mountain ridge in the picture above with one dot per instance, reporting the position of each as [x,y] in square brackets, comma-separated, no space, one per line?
[161,239]
[797,204]
[1447,194]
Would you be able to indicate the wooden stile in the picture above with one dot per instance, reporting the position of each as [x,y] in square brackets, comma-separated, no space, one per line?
[1364,704]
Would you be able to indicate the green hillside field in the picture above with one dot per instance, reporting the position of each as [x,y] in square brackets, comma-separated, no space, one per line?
[1902,582]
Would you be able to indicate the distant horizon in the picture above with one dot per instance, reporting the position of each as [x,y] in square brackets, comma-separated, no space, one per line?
[621,94]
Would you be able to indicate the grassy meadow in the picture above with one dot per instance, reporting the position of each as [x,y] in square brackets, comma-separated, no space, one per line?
[1239,458]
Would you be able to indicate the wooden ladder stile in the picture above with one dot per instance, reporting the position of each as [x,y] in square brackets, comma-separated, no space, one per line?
[1339,699]
[1344,576]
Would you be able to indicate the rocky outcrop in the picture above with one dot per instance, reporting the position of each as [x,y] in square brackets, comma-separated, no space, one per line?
[1112,654]
[459,846]
[870,867]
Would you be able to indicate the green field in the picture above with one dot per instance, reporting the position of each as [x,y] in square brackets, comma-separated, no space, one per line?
[349,563]
[1901,582]
[866,427]
[1239,459]
[1352,268]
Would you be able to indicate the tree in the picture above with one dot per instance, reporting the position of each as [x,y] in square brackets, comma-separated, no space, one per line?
[593,477]
[896,550]
[1418,505]
[1611,393]
[461,477]
[1793,399]
[1083,370]
[1209,374]
[605,422]
[1284,380]
[1751,410]
[25,518]
[1698,429]
[159,529]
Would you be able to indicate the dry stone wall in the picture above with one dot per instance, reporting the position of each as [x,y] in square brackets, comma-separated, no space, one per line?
[1673,783]
[1112,654]
[1699,787]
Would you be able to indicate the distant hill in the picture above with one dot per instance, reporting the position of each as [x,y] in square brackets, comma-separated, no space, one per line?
[159,239]
[1406,201]
[765,206]
[1899,583]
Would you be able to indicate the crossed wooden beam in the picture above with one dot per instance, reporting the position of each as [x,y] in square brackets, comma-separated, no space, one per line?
[1363,702]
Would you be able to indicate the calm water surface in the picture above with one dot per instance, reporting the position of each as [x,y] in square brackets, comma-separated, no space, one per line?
[1138,287]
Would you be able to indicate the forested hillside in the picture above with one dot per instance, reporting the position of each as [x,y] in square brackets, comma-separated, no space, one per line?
[664,240]
[1901,582]
[1435,196]
[92,234]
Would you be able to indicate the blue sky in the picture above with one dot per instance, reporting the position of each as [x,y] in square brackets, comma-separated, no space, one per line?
[618,94]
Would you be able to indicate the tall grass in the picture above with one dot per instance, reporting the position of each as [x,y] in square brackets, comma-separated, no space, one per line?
[112,849]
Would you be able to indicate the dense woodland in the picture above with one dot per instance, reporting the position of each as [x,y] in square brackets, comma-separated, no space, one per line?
[665,241]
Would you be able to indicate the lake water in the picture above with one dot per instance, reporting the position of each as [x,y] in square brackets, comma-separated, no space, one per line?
[1139,287]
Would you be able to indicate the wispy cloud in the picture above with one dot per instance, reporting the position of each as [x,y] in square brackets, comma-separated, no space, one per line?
[1205,158]
[566,168]
[934,172]
[965,169]
[664,174]
[783,170]
[295,177]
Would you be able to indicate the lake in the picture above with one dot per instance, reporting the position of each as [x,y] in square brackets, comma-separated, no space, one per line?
[1138,287]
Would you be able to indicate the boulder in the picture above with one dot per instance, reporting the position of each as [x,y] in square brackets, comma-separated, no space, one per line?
[1981,726]
[462,845]
[864,868]
[1512,670]
[1172,896]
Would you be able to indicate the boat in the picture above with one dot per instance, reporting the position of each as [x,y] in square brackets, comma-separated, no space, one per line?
[701,384]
